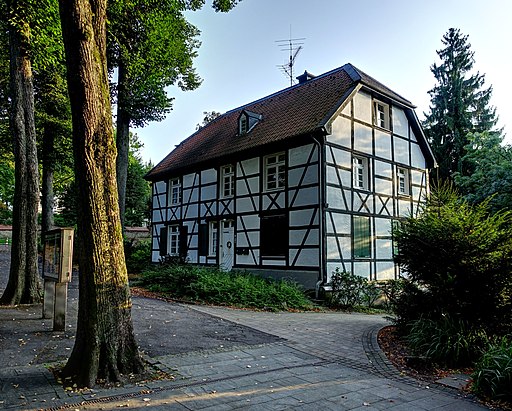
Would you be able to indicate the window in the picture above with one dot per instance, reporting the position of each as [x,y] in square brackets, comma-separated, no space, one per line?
[214,238]
[362,244]
[381,114]
[274,235]
[175,191]
[243,124]
[228,181]
[174,240]
[360,173]
[402,177]
[275,172]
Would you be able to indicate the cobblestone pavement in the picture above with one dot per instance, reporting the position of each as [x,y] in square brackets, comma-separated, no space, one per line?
[222,359]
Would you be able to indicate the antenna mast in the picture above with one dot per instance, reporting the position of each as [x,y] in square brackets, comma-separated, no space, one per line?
[293,46]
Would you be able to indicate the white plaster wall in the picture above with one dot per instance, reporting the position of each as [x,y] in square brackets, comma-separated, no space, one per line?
[341,132]
[242,239]
[368,201]
[341,223]
[363,107]
[190,195]
[383,169]
[188,180]
[382,227]
[247,259]
[385,270]
[383,249]
[209,193]
[191,211]
[311,176]
[401,151]
[347,109]
[305,196]
[400,123]
[203,209]
[335,198]
[307,257]
[342,157]
[244,205]
[412,136]
[383,186]
[300,155]
[301,217]
[279,200]
[417,158]
[362,268]
[209,176]
[363,138]
[297,237]
[250,166]
[382,144]
[404,208]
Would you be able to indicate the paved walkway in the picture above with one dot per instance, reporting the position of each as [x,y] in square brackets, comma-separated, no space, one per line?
[222,359]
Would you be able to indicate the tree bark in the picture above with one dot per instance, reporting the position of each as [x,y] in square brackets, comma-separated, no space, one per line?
[47,222]
[122,140]
[105,345]
[23,286]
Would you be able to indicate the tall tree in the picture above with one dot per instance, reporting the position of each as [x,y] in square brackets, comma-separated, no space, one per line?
[459,104]
[152,46]
[23,285]
[105,345]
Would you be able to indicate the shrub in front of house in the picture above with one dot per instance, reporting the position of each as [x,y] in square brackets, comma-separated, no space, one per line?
[211,285]
[492,376]
[349,291]
[458,260]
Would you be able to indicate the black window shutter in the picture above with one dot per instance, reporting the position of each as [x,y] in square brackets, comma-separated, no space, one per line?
[203,239]
[183,241]
[163,241]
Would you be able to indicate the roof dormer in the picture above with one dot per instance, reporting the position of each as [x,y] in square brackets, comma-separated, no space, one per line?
[247,121]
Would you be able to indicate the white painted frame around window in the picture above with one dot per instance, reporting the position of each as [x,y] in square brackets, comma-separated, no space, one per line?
[381,114]
[174,191]
[174,240]
[402,181]
[227,175]
[275,172]
[213,241]
[360,173]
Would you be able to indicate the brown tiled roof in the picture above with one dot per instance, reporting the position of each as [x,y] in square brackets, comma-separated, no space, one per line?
[295,111]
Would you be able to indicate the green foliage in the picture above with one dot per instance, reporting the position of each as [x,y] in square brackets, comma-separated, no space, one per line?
[137,255]
[458,258]
[6,183]
[459,104]
[350,290]
[446,341]
[215,286]
[493,373]
[491,165]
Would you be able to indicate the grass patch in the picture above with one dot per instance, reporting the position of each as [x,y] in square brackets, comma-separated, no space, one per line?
[235,288]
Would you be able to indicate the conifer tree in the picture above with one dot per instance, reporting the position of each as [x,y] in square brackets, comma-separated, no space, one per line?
[459,105]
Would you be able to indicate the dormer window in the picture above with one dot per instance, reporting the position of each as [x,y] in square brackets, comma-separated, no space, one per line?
[243,124]
[247,121]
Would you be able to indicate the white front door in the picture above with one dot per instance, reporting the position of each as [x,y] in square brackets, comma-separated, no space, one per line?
[227,244]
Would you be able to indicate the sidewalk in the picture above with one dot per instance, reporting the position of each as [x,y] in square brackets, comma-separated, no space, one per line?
[222,359]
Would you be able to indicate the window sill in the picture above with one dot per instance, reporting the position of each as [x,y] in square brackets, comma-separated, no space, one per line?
[273,190]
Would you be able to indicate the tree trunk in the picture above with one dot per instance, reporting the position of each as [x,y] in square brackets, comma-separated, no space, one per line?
[105,345]
[122,139]
[24,286]
[47,189]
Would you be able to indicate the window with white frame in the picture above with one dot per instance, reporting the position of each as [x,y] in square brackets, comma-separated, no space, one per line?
[360,172]
[174,191]
[174,240]
[275,172]
[381,114]
[214,238]
[402,177]
[228,181]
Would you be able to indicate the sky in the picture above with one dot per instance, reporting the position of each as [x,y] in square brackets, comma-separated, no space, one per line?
[394,41]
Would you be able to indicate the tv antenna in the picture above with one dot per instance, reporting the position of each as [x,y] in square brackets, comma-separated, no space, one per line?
[293,46]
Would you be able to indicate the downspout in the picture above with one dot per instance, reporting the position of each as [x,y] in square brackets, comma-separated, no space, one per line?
[321,205]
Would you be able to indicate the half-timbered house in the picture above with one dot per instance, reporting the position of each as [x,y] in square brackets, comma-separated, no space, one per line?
[297,183]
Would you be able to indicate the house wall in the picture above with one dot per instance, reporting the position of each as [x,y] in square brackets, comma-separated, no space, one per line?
[298,201]
[385,150]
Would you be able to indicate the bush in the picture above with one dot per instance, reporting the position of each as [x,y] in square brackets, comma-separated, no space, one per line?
[459,258]
[137,255]
[350,290]
[447,341]
[214,286]
[493,373]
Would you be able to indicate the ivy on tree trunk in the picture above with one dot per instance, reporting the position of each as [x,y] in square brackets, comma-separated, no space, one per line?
[105,345]
[23,286]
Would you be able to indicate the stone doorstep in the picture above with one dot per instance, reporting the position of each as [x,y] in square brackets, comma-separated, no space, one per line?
[457,381]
